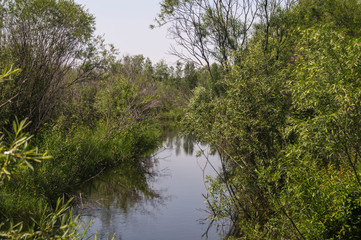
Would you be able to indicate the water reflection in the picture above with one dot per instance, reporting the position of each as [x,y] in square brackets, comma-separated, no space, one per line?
[159,197]
[185,143]
[123,187]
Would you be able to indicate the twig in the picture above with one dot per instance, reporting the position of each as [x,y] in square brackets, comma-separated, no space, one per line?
[91,177]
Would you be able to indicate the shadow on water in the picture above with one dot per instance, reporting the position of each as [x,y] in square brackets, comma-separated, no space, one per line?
[157,197]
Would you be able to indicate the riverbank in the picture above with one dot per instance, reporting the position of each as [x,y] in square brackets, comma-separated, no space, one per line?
[77,157]
[167,203]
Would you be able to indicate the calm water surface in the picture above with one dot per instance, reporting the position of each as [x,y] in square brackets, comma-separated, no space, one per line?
[166,202]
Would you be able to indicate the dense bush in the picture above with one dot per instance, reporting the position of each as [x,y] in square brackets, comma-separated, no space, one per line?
[287,127]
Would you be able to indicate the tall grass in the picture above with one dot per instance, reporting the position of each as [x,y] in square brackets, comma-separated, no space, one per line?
[82,153]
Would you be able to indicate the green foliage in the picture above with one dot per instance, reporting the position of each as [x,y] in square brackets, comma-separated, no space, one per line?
[245,124]
[17,204]
[342,15]
[326,90]
[190,76]
[52,42]
[55,224]
[17,153]
[287,126]
[282,109]
[82,153]
[89,110]
[117,109]
[6,75]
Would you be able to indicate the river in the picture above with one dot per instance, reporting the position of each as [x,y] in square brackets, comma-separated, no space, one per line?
[166,202]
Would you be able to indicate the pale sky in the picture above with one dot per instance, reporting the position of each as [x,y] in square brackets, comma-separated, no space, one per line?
[125,23]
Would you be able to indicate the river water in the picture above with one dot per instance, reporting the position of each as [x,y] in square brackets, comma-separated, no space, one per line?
[159,199]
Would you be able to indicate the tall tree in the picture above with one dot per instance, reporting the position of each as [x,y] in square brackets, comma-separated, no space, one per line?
[207,30]
[52,42]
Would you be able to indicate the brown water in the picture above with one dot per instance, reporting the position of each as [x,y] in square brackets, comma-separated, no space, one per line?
[166,202]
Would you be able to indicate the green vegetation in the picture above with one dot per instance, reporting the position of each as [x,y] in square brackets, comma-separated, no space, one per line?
[273,86]
[286,117]
[87,109]
[16,158]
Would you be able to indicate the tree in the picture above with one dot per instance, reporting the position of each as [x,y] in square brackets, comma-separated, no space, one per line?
[287,125]
[208,30]
[161,71]
[52,42]
[190,75]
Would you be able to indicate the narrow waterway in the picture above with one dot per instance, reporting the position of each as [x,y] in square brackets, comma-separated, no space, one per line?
[161,199]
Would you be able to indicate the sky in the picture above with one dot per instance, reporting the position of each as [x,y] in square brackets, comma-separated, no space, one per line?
[125,23]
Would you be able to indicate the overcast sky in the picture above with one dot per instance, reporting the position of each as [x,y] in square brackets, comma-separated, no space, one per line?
[125,23]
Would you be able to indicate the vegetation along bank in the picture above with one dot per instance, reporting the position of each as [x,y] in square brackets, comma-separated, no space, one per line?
[272,86]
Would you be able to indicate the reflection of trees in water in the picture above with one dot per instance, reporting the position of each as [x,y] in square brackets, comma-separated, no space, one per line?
[126,188]
[172,139]
[188,145]
[129,188]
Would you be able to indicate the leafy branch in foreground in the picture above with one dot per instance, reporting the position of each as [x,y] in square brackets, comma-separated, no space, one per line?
[17,153]
[57,223]
[7,72]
